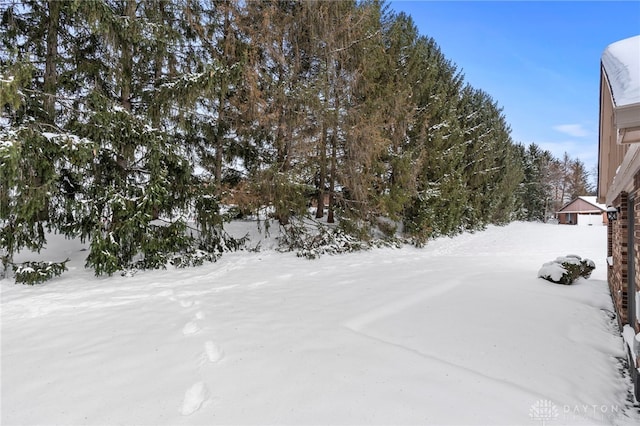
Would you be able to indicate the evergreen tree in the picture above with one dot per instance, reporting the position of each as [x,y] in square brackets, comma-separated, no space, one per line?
[578,180]
[438,206]
[127,122]
[116,173]
[35,153]
[537,187]
[491,170]
[278,35]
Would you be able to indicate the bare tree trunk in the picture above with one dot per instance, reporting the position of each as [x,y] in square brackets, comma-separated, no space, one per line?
[332,179]
[323,172]
[126,64]
[50,73]
[126,60]
[50,83]
[158,63]
[222,102]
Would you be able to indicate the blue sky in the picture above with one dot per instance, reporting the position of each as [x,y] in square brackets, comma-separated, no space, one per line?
[539,60]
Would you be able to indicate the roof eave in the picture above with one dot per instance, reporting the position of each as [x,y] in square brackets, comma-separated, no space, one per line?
[627,121]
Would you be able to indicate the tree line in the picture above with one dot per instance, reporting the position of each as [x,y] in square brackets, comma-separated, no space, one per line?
[129,123]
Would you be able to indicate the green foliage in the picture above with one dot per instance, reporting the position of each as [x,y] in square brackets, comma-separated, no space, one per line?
[14,77]
[419,217]
[565,270]
[288,197]
[32,273]
[33,169]
[313,240]
[141,178]
[128,124]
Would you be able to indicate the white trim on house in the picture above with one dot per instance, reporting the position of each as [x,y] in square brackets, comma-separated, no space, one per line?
[623,180]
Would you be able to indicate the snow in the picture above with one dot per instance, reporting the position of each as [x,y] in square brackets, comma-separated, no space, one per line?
[592,200]
[621,61]
[553,270]
[459,332]
[632,340]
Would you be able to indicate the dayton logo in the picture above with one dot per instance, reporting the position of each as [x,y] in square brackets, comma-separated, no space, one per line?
[544,411]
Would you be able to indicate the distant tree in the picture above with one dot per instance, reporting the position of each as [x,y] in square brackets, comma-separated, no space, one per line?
[536,194]
[558,181]
[578,180]
[550,183]
[491,169]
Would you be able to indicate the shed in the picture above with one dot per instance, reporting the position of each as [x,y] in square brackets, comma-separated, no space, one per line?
[583,210]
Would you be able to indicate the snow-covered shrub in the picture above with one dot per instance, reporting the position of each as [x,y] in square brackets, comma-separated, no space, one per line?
[38,272]
[387,227]
[565,270]
[313,240]
[188,249]
[587,266]
[193,258]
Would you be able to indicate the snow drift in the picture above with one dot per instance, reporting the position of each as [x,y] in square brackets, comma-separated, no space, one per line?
[459,332]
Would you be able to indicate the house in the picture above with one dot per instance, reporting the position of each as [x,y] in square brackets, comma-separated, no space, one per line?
[619,186]
[583,211]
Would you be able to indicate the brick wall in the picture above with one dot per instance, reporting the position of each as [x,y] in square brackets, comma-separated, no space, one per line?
[618,283]
[636,239]
[617,248]
[635,376]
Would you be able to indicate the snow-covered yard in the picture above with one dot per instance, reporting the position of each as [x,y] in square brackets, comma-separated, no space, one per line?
[459,332]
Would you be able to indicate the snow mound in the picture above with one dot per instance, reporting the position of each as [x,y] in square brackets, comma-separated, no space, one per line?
[552,270]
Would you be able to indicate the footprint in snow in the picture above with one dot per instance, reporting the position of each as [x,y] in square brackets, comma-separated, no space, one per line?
[214,352]
[186,303]
[190,328]
[193,398]
[166,293]
[285,276]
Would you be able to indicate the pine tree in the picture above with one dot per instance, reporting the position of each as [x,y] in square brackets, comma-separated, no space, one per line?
[144,192]
[35,152]
[116,174]
[491,170]
[360,137]
[578,180]
[278,35]
[396,178]
[127,123]
[537,184]
[438,206]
